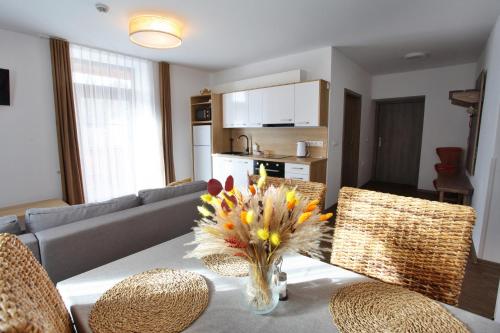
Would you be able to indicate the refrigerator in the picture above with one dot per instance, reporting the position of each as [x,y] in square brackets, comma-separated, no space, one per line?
[202,152]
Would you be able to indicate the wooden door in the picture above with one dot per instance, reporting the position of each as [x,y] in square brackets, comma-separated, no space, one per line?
[399,130]
[350,141]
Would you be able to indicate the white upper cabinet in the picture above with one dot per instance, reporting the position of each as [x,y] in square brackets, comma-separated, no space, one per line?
[235,109]
[228,111]
[241,105]
[255,106]
[307,104]
[278,105]
[302,104]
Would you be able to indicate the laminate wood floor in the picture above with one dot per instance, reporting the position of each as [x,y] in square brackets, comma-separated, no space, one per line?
[481,281]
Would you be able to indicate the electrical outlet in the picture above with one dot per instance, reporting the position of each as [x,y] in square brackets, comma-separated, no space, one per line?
[315,143]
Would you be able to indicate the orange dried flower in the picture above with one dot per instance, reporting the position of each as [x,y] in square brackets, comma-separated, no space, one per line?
[312,206]
[235,243]
[325,217]
[252,190]
[229,225]
[304,217]
[243,216]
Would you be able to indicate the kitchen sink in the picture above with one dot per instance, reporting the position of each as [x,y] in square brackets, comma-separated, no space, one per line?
[238,153]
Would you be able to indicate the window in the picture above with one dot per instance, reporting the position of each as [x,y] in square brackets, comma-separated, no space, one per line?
[118,123]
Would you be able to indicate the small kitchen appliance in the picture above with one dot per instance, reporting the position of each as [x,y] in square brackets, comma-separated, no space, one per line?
[203,114]
[302,150]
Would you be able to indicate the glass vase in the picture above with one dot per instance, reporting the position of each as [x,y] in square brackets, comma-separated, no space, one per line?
[261,291]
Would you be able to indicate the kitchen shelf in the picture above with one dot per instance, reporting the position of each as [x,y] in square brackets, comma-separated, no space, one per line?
[202,103]
[202,122]
[465,98]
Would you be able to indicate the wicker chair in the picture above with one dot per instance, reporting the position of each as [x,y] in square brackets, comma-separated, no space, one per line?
[312,190]
[29,301]
[419,244]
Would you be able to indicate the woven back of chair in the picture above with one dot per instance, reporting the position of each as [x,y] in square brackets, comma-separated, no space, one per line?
[311,190]
[419,244]
[29,301]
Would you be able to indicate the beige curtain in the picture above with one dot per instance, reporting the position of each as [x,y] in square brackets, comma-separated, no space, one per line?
[69,155]
[166,111]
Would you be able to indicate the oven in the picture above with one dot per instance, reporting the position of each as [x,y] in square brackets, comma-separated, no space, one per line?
[273,169]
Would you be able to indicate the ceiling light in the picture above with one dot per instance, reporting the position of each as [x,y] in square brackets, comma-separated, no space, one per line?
[415,55]
[153,31]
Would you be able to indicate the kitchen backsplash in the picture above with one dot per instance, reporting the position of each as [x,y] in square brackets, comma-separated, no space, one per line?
[282,140]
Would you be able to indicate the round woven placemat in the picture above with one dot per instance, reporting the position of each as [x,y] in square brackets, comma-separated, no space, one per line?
[159,300]
[226,265]
[380,307]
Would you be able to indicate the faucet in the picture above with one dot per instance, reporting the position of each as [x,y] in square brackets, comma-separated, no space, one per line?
[247,149]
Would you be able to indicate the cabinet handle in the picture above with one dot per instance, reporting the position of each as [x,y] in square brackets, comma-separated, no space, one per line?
[303,123]
[297,168]
[286,119]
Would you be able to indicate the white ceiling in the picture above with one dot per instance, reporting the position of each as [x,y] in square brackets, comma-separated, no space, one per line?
[220,34]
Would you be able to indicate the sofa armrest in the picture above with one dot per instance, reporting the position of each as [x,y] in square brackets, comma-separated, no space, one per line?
[31,242]
[77,247]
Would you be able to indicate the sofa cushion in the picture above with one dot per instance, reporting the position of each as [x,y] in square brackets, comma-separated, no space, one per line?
[9,224]
[164,193]
[38,219]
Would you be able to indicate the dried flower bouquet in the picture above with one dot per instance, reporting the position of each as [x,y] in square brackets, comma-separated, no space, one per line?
[258,225]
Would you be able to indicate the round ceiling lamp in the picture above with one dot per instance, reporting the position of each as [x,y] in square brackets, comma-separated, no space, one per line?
[154,31]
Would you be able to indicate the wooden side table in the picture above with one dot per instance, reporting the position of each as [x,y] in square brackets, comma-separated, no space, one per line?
[458,184]
[20,210]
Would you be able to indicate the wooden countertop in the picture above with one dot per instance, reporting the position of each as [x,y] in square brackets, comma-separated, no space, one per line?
[289,159]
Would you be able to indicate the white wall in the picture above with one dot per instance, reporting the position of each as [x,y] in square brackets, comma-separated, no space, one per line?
[348,75]
[486,180]
[315,65]
[292,76]
[444,124]
[29,161]
[184,83]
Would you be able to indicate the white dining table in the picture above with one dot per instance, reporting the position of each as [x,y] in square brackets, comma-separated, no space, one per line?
[311,283]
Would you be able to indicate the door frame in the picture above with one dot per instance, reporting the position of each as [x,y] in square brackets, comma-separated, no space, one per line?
[348,92]
[408,99]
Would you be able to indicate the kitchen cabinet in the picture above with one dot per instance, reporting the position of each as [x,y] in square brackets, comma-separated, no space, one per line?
[297,171]
[235,109]
[239,168]
[255,105]
[228,111]
[278,105]
[303,104]
[307,104]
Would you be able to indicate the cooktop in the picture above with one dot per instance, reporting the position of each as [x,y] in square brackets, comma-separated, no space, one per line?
[276,156]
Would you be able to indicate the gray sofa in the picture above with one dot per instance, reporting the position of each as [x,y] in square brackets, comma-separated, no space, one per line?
[104,232]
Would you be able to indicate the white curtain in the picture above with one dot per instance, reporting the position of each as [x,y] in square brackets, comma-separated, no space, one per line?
[118,121]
